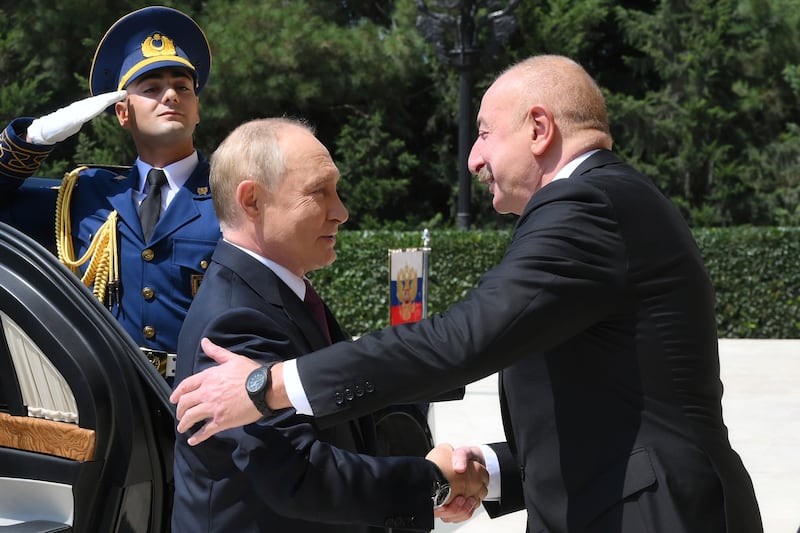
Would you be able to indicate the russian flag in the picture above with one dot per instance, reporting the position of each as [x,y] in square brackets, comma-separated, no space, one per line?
[406,270]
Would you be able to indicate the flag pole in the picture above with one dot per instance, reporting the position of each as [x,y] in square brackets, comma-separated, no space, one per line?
[426,250]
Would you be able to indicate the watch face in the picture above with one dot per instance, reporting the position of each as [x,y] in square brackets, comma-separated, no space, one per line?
[441,495]
[256,380]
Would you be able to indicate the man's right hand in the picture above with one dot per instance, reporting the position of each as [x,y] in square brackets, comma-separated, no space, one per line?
[469,482]
[67,121]
[216,396]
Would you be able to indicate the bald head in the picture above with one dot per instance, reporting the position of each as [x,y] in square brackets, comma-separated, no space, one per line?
[566,89]
[535,118]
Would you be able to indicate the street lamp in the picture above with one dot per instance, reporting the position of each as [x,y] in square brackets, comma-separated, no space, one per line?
[461,19]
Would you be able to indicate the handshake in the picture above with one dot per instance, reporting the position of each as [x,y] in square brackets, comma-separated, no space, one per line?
[465,469]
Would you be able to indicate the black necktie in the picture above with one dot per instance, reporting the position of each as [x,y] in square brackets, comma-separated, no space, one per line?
[150,209]
[315,305]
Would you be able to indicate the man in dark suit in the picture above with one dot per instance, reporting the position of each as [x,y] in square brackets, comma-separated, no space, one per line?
[599,318]
[275,195]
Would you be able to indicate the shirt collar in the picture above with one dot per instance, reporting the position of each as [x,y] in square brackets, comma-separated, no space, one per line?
[177,173]
[570,167]
[295,283]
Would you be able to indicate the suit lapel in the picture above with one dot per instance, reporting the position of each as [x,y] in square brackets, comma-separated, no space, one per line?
[599,159]
[336,332]
[273,290]
[180,212]
[301,315]
[355,435]
[121,199]
[183,208]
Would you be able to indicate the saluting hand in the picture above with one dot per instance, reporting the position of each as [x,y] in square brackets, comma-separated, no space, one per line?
[67,121]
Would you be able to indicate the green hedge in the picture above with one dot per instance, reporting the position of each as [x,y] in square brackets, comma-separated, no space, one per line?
[755,271]
[756,275]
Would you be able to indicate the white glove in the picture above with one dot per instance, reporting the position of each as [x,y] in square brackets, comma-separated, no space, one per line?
[67,121]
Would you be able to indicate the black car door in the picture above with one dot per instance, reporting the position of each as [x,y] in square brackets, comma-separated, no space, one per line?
[86,427]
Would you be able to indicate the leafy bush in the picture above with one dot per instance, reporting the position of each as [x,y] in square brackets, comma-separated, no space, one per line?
[756,275]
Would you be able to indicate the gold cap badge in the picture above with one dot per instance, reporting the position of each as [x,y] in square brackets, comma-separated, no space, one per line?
[158,45]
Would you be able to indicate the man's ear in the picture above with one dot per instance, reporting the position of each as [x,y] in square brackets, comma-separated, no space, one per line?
[542,128]
[248,193]
[123,113]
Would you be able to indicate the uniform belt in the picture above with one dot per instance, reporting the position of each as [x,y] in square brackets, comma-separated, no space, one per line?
[163,361]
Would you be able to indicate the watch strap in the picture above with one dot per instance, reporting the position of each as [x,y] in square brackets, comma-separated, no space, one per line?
[440,491]
[259,398]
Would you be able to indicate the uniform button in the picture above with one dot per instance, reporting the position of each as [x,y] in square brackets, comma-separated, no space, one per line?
[359,391]
[338,398]
[148,254]
[149,332]
[349,394]
[204,264]
[369,386]
[148,293]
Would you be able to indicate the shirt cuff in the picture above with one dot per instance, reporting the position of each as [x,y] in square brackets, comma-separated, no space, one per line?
[295,391]
[493,466]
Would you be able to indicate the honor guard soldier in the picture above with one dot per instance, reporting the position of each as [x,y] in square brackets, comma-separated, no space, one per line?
[140,237]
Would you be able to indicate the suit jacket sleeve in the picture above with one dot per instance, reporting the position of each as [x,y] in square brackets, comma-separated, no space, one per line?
[560,272]
[291,469]
[19,159]
[26,203]
[511,497]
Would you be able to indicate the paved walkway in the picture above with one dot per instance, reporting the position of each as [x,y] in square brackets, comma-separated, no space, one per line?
[761,408]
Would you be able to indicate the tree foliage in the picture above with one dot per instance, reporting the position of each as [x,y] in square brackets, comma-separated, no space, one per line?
[702,94]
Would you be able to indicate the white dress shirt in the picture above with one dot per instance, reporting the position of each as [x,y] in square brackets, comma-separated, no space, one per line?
[177,175]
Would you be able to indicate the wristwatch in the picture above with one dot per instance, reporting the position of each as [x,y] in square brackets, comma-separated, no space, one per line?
[257,385]
[441,488]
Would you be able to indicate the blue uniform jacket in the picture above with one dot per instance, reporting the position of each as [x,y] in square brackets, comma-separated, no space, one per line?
[158,278]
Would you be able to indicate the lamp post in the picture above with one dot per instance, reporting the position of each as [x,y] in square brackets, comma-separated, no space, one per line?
[462,19]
